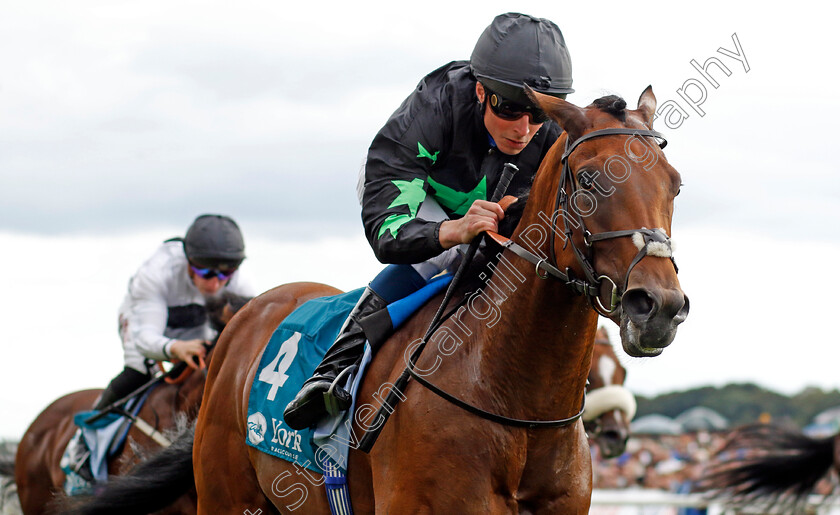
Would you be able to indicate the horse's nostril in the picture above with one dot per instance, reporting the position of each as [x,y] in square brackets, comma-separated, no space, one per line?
[683,312]
[612,435]
[638,304]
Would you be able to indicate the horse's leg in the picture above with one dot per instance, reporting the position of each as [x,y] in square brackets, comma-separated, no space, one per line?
[570,490]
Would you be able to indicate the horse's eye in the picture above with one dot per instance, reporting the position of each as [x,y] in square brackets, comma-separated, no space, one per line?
[585,180]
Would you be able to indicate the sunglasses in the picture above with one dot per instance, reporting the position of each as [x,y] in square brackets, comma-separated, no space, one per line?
[209,273]
[510,110]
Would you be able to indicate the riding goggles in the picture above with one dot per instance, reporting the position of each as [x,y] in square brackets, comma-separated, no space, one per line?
[509,110]
[209,273]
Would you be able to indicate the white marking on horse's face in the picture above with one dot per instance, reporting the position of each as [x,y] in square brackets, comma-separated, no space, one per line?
[606,368]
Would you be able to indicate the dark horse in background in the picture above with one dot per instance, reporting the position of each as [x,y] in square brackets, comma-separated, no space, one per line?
[609,406]
[768,465]
[38,475]
[520,348]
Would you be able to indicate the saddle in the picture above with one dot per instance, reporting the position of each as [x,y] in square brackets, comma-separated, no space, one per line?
[103,439]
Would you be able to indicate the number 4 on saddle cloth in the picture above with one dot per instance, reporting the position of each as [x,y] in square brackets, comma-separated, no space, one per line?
[296,347]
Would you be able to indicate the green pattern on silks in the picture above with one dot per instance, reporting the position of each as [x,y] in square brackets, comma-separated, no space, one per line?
[426,153]
[455,201]
[411,195]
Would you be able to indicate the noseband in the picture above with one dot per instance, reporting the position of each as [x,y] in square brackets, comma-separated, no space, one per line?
[649,241]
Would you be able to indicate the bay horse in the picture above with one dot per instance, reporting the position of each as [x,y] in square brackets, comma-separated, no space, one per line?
[598,219]
[39,477]
[37,472]
[609,406]
[769,465]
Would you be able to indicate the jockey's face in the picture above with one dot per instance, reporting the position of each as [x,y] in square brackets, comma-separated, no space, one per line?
[207,287]
[511,136]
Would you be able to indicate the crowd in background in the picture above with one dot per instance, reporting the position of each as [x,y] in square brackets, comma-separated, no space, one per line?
[663,462]
[671,463]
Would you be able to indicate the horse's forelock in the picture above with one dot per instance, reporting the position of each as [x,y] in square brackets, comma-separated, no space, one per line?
[612,104]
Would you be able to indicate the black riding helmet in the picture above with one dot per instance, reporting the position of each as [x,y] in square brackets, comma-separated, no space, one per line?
[516,49]
[214,241]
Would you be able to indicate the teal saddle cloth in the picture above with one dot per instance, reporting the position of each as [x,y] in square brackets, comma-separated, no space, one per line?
[293,352]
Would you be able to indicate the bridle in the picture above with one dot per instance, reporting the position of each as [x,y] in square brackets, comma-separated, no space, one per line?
[590,284]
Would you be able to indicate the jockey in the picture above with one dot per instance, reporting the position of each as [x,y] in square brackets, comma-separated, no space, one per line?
[164,315]
[425,181]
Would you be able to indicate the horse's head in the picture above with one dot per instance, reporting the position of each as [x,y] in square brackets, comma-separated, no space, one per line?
[609,406]
[610,194]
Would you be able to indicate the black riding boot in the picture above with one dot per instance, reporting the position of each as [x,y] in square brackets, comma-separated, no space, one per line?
[126,382]
[309,406]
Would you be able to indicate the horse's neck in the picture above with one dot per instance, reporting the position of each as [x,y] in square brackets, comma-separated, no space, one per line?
[538,350]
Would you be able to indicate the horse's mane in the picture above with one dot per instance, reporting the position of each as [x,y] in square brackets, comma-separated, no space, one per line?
[612,104]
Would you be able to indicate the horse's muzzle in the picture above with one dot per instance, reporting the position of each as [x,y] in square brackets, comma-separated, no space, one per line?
[612,444]
[649,319]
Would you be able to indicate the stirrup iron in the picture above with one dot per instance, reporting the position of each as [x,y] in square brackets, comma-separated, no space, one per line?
[330,400]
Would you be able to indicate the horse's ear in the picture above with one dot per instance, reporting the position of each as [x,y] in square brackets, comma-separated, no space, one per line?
[569,116]
[647,106]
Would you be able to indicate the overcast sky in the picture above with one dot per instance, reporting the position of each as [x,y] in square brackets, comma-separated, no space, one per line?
[122,121]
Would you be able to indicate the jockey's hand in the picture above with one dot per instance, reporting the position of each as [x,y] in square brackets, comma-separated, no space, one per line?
[190,351]
[482,216]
